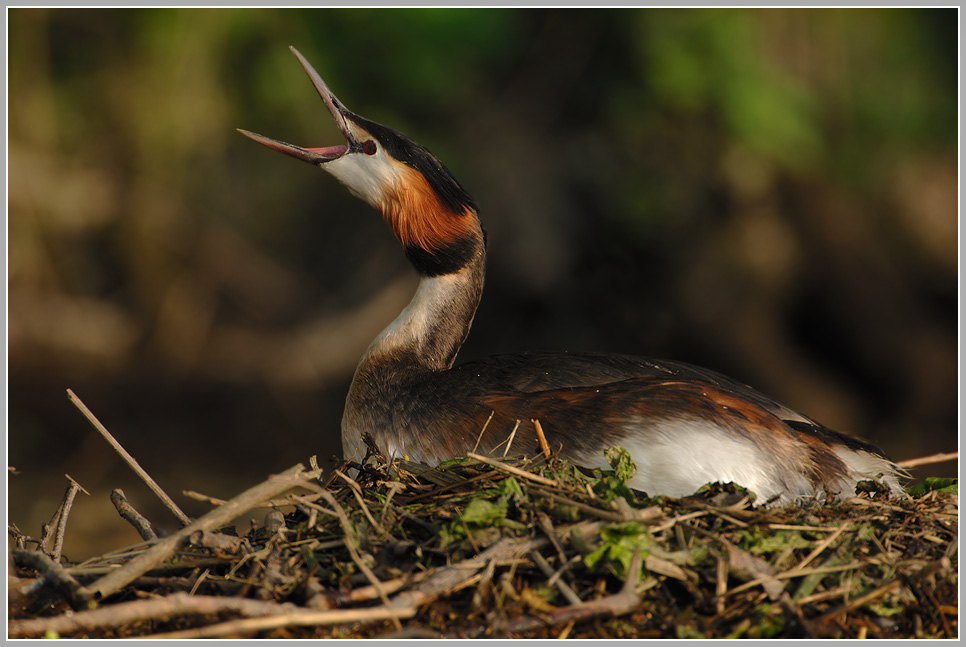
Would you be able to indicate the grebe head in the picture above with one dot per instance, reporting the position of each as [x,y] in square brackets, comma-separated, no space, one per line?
[427,209]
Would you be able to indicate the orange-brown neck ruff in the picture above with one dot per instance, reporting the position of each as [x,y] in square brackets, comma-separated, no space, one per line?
[437,239]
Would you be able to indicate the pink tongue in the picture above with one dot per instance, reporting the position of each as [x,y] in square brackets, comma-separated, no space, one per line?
[328,151]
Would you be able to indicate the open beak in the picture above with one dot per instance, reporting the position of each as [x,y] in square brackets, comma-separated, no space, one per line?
[317,156]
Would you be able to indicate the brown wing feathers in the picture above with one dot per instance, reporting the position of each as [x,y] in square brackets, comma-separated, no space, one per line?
[584,421]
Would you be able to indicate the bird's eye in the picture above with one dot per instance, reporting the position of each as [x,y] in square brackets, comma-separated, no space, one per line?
[369,148]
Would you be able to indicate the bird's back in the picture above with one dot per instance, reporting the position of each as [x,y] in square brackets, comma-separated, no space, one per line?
[683,425]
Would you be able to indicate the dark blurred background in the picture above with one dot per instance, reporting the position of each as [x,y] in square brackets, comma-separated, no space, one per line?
[769,193]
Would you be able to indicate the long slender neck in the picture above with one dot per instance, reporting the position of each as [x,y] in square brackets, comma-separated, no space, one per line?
[429,332]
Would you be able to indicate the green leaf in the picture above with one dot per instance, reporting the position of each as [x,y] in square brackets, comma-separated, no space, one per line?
[865,532]
[455,461]
[510,490]
[484,513]
[947,485]
[612,483]
[686,631]
[768,624]
[450,534]
[592,559]
[618,531]
[884,608]
[619,541]
[621,462]
[759,544]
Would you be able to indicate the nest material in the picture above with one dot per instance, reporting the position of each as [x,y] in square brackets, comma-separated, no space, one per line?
[485,548]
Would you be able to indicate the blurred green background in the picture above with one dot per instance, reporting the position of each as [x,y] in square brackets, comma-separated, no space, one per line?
[770,193]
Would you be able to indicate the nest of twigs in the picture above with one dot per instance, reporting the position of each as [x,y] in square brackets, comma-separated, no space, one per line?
[499,548]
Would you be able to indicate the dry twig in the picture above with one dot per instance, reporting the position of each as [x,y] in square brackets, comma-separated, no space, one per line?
[114,581]
[182,604]
[131,515]
[53,574]
[168,501]
[504,467]
[56,528]
[928,460]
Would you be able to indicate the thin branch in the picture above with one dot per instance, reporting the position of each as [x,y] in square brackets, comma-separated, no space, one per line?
[645,515]
[216,518]
[131,515]
[547,570]
[197,583]
[365,593]
[297,618]
[928,460]
[512,470]
[204,498]
[508,439]
[721,583]
[56,528]
[357,491]
[168,501]
[53,574]
[312,505]
[480,437]
[181,604]
[822,546]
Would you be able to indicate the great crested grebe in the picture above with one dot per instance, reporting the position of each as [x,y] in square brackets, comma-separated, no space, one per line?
[684,426]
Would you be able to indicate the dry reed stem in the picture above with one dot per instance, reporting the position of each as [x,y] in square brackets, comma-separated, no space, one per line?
[541,438]
[509,440]
[448,578]
[364,593]
[822,546]
[503,467]
[480,437]
[609,515]
[357,492]
[204,498]
[942,457]
[721,584]
[297,618]
[161,494]
[182,604]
